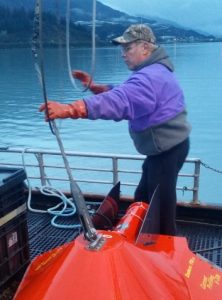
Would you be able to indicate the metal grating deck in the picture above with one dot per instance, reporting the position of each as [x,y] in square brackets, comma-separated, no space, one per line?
[43,236]
[205,239]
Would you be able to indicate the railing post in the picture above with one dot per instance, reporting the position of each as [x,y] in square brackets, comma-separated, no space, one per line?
[39,157]
[115,170]
[196,181]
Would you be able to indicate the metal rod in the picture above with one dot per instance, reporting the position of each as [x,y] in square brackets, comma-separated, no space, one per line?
[89,230]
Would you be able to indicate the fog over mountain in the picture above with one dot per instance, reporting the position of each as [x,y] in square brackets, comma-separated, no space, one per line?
[200,15]
[17,22]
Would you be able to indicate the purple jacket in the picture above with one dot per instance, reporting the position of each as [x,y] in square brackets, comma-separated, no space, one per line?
[149,97]
[153,103]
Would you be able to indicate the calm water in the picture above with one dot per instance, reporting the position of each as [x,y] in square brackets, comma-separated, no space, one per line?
[198,68]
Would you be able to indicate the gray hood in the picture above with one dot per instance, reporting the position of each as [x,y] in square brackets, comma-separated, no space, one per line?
[158,56]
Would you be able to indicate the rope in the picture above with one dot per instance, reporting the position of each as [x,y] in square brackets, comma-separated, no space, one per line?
[68,45]
[93,55]
[68,209]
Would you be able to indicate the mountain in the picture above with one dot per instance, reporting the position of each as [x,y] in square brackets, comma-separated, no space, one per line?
[16,23]
[112,23]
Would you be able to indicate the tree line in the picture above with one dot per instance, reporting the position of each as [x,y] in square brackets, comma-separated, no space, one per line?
[16,29]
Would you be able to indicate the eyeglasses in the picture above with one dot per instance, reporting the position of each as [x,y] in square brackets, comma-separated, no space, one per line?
[128,48]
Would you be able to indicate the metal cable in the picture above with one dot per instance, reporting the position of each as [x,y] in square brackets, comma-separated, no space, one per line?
[89,230]
[211,168]
[38,57]
[208,249]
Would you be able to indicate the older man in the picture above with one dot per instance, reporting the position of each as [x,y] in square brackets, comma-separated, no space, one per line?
[153,103]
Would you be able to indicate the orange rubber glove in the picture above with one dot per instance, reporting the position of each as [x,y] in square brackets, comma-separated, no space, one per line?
[85,79]
[58,110]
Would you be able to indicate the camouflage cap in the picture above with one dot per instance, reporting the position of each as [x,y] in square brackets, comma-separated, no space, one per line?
[134,33]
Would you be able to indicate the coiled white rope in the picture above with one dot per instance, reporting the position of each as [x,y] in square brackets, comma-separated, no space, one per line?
[67,206]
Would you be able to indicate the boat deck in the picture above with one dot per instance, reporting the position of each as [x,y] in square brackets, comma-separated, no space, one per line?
[203,238]
[206,239]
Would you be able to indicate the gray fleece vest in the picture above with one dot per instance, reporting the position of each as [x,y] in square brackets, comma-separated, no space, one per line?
[162,137]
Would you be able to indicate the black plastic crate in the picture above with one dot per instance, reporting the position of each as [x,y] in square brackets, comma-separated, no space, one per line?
[14,248]
[11,189]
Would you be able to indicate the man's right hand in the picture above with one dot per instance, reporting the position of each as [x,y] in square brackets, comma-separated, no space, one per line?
[85,78]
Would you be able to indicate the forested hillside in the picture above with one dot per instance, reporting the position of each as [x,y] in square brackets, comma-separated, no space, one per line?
[16,29]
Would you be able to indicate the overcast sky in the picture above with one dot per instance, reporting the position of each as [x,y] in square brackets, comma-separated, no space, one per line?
[205,15]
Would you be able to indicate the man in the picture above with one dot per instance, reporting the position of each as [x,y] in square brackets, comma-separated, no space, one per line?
[153,103]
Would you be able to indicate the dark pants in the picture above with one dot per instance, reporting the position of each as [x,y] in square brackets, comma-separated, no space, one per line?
[162,170]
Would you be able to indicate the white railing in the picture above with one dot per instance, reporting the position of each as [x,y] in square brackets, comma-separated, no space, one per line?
[93,171]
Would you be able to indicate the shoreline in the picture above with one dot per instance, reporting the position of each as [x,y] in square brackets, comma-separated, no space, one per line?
[88,45]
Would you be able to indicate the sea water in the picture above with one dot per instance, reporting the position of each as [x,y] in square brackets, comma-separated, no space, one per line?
[198,67]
